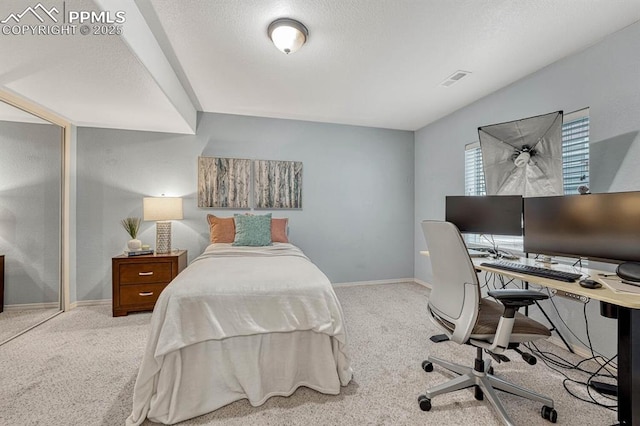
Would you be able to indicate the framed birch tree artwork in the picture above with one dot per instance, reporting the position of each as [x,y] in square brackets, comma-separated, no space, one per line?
[223,182]
[277,184]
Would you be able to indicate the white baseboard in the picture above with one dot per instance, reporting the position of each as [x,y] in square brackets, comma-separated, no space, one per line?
[578,349]
[422,283]
[375,282]
[24,306]
[98,302]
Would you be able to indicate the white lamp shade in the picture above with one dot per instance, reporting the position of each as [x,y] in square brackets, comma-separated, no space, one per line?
[288,35]
[162,208]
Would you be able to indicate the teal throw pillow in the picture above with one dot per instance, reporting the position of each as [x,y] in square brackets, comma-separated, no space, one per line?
[252,230]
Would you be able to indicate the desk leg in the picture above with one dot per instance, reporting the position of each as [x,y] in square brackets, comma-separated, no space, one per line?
[554,328]
[628,366]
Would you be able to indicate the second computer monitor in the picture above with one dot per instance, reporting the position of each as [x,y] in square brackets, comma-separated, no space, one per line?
[596,226]
[493,214]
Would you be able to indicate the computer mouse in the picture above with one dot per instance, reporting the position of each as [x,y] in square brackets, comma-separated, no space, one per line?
[590,284]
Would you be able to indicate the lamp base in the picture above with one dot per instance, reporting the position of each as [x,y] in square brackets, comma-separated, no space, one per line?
[163,237]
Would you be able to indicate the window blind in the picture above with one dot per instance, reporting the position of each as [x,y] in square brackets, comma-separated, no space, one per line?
[575,154]
[473,172]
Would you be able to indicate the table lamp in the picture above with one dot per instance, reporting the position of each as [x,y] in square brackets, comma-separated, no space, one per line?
[163,210]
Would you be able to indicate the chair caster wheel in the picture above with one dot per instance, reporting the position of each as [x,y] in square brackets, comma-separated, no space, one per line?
[427,366]
[529,359]
[549,413]
[424,402]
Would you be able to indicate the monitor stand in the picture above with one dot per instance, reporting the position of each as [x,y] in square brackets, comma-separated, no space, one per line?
[546,260]
[549,260]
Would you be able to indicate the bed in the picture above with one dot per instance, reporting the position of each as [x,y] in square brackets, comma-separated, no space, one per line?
[240,322]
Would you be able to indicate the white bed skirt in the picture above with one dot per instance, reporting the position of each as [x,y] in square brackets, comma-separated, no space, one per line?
[205,376]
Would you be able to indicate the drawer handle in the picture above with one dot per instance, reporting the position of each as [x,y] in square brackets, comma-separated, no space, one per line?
[145,293]
[145,274]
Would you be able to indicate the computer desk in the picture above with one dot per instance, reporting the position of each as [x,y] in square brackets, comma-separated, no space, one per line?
[624,307]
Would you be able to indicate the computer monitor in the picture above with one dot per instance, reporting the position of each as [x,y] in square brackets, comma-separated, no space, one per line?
[602,227]
[494,215]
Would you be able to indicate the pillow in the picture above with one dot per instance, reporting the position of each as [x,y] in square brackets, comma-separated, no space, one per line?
[252,230]
[221,229]
[279,230]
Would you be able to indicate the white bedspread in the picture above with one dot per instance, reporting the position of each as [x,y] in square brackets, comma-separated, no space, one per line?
[229,292]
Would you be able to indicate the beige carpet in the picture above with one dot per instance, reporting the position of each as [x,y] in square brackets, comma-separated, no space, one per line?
[14,321]
[80,367]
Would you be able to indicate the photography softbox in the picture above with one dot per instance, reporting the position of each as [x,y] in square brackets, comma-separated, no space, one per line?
[523,157]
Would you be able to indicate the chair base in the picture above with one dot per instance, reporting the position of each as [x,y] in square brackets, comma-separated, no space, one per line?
[488,383]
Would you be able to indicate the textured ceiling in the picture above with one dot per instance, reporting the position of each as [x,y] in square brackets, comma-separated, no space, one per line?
[91,80]
[372,63]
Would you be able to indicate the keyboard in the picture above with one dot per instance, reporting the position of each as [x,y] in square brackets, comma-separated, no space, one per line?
[567,277]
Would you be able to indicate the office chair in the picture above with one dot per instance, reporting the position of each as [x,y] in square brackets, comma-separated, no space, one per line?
[456,307]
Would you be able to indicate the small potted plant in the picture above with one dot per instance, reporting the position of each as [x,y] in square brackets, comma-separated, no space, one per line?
[132,225]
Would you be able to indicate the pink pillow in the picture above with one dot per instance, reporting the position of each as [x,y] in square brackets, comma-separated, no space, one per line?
[279,230]
[221,229]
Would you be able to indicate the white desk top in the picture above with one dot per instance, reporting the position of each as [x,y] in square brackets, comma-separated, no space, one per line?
[604,294]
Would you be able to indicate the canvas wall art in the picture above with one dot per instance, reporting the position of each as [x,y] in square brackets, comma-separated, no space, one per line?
[277,184]
[224,182]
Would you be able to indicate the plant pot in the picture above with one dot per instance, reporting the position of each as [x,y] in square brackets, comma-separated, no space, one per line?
[134,245]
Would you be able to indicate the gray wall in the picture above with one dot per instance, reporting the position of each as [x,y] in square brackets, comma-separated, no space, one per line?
[604,77]
[30,188]
[357,218]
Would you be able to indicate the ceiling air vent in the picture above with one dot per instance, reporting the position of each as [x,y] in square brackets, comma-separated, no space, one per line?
[454,78]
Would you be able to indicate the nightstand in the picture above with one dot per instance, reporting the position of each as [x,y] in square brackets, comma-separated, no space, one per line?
[138,280]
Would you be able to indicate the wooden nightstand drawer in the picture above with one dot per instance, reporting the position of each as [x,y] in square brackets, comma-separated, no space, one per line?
[140,294]
[138,280]
[150,272]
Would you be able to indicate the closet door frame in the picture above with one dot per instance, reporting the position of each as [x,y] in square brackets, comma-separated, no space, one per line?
[67,242]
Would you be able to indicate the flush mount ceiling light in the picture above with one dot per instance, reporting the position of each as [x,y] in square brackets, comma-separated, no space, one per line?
[287,34]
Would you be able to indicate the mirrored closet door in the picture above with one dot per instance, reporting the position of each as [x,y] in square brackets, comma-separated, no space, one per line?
[31,167]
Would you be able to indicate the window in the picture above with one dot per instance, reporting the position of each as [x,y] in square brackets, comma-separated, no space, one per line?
[575,151]
[473,172]
[575,157]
